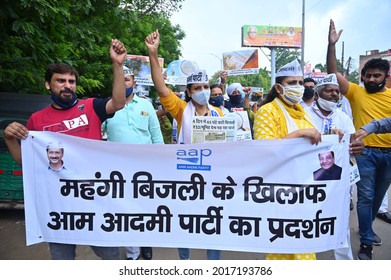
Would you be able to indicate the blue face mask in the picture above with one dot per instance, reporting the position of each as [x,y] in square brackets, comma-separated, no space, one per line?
[201,97]
[62,104]
[216,101]
[129,91]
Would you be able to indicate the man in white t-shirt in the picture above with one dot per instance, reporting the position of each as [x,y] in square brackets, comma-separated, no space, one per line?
[328,119]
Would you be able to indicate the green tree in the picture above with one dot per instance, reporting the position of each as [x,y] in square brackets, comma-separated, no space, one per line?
[351,75]
[34,33]
[285,55]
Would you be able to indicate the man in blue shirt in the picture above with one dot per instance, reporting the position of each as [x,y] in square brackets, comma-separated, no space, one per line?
[136,123]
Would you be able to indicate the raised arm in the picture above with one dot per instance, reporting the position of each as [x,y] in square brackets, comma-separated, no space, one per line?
[223,80]
[117,55]
[152,42]
[332,59]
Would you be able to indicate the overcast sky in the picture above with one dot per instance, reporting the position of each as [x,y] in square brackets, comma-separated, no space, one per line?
[214,26]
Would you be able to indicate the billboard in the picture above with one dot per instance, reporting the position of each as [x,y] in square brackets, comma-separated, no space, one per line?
[241,62]
[141,68]
[271,36]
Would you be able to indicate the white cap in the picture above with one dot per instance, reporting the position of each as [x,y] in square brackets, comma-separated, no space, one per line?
[55,145]
[198,77]
[127,71]
[292,69]
[330,79]
[232,87]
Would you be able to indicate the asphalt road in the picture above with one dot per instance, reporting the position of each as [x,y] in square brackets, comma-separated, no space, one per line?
[13,243]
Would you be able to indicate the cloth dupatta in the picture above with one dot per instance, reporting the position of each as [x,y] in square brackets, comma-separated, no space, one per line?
[288,124]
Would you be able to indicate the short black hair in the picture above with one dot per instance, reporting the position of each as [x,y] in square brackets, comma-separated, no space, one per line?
[307,80]
[60,68]
[376,63]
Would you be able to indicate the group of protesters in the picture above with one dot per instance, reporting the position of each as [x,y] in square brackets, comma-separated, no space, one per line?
[127,118]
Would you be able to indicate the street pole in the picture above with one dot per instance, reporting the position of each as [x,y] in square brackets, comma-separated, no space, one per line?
[273,65]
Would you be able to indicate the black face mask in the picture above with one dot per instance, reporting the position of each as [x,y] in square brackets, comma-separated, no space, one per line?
[235,99]
[308,93]
[372,87]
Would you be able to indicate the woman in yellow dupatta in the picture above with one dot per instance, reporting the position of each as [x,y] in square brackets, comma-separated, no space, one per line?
[282,117]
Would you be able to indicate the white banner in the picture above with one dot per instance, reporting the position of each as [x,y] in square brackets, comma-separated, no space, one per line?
[255,196]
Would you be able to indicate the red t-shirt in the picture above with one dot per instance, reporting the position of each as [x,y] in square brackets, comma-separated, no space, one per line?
[81,120]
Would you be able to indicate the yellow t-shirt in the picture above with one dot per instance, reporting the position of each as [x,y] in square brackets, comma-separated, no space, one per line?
[367,107]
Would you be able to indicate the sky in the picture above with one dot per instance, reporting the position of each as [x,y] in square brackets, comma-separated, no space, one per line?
[213,27]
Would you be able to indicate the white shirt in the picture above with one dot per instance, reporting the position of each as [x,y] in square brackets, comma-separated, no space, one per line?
[339,120]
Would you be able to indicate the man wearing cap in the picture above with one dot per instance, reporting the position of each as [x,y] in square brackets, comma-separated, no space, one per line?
[236,97]
[136,123]
[370,102]
[55,153]
[329,119]
[323,112]
[69,115]
[197,95]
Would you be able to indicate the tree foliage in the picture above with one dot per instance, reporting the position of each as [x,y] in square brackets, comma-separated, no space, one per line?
[352,76]
[285,55]
[147,7]
[34,33]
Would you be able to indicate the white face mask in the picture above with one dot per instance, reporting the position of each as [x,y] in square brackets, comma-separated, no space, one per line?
[329,106]
[292,94]
[201,97]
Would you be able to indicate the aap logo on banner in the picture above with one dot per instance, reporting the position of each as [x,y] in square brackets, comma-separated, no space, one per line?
[192,159]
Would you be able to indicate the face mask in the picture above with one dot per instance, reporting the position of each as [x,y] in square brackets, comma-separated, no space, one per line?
[374,87]
[308,93]
[217,101]
[243,95]
[201,97]
[292,94]
[129,91]
[329,106]
[235,99]
[62,103]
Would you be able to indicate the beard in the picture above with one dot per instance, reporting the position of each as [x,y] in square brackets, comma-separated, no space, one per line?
[373,87]
[68,97]
[64,101]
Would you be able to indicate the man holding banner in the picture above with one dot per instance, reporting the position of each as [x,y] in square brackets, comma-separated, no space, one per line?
[68,115]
